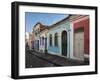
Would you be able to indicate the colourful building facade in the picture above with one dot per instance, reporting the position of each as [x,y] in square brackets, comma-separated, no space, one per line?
[39,32]
[59,39]
[43,40]
[80,25]
[67,38]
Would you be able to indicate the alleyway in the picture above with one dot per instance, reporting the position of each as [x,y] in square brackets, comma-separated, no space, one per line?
[35,59]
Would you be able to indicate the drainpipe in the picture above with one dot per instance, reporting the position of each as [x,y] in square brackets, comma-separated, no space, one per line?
[69,42]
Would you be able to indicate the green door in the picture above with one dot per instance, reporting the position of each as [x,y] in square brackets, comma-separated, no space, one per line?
[64,43]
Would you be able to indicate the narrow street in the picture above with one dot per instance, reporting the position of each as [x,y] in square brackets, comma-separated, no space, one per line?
[35,59]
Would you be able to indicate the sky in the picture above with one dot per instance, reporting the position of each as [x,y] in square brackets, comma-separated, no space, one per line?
[31,18]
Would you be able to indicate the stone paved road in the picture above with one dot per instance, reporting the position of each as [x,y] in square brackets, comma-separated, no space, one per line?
[36,59]
[33,61]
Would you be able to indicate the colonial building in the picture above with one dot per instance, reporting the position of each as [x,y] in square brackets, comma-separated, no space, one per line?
[28,40]
[36,31]
[33,39]
[59,39]
[43,40]
[80,25]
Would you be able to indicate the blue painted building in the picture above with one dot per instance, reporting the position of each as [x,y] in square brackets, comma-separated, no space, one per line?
[59,39]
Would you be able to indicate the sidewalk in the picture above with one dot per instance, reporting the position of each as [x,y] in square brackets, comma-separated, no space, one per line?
[57,60]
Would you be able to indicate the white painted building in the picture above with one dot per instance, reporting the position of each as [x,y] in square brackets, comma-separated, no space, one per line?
[37,29]
[43,40]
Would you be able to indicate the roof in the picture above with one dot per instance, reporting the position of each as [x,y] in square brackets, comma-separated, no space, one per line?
[59,21]
[76,17]
[41,25]
[68,18]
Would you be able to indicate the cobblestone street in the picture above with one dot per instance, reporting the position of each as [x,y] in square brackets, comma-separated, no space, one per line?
[35,59]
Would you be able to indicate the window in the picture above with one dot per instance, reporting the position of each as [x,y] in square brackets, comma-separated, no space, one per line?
[38,30]
[50,40]
[36,33]
[56,39]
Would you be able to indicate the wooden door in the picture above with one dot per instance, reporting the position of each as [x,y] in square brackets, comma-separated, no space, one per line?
[37,44]
[79,45]
[64,43]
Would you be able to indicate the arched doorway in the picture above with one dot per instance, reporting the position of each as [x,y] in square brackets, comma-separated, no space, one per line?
[64,43]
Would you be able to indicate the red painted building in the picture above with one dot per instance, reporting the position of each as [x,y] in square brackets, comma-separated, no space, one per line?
[85,24]
[80,24]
